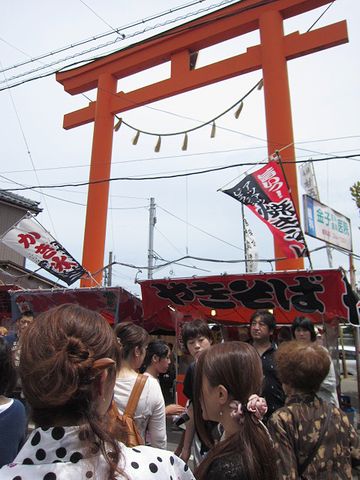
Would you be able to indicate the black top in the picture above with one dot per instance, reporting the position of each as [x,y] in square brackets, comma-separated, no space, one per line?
[188,388]
[272,389]
[228,467]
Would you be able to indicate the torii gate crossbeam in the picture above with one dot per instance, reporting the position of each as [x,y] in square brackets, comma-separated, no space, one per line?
[176,46]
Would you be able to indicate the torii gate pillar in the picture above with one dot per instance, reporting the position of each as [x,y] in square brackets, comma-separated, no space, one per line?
[278,111]
[98,193]
[237,19]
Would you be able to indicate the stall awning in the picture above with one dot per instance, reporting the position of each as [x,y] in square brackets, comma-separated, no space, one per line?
[322,295]
[114,303]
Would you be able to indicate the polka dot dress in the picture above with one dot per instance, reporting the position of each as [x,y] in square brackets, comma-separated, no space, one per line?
[63,454]
[142,463]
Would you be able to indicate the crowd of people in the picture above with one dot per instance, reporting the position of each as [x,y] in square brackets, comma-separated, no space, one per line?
[256,410]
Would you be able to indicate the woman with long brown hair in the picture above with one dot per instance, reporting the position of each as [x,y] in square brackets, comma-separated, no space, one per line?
[228,381]
[68,368]
[150,411]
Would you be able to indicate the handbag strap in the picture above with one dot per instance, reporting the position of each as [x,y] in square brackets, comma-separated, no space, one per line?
[135,395]
[315,448]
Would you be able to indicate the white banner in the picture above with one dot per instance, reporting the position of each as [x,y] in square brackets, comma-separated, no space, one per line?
[250,249]
[309,184]
[32,241]
[308,180]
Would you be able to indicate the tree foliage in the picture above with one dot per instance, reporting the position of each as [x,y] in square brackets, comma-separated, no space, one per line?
[355,193]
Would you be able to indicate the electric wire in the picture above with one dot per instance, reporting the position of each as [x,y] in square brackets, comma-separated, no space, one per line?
[95,37]
[200,229]
[180,175]
[320,16]
[186,155]
[26,143]
[86,61]
[99,17]
[166,33]
[167,239]
[72,202]
[175,262]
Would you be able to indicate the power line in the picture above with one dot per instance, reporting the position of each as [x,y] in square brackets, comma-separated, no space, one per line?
[200,229]
[99,17]
[321,15]
[166,177]
[167,239]
[166,33]
[78,203]
[26,143]
[123,37]
[186,155]
[170,262]
[95,37]
[203,259]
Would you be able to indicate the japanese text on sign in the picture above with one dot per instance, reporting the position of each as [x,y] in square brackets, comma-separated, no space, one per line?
[254,294]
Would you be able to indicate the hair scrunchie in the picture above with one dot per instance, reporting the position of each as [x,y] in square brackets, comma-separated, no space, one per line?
[236,410]
[257,405]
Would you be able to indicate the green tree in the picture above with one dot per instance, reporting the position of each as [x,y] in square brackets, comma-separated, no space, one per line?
[355,193]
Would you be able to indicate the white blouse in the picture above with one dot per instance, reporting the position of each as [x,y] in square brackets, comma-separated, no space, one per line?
[61,453]
[150,412]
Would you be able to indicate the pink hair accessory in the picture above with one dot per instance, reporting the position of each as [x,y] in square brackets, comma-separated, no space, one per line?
[236,409]
[257,405]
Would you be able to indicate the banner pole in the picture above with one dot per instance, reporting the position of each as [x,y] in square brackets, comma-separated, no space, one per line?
[244,236]
[278,157]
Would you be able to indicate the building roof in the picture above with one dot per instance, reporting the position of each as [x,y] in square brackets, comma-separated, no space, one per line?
[11,272]
[19,201]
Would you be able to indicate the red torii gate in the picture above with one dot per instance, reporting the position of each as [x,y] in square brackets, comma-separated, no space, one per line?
[176,46]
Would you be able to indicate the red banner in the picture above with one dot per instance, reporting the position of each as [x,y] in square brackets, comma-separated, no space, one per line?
[114,303]
[322,295]
[266,194]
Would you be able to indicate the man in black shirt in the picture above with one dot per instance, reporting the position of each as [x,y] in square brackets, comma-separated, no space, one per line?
[262,326]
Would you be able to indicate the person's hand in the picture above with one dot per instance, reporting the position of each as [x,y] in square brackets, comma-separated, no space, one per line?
[185,454]
[174,409]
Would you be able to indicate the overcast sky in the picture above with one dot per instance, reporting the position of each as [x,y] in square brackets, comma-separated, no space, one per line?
[192,216]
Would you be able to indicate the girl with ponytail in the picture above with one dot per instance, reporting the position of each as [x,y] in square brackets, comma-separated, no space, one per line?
[228,381]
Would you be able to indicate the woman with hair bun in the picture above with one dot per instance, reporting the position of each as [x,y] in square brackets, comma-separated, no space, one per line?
[68,368]
[150,411]
[228,380]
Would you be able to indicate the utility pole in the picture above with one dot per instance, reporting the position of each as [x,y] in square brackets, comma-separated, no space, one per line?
[355,329]
[152,223]
[109,274]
